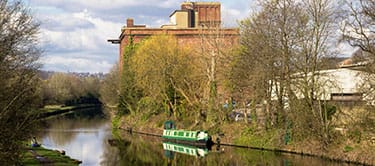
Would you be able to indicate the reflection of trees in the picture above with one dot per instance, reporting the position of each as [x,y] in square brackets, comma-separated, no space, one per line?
[110,153]
[58,131]
[212,159]
[141,152]
[134,150]
[63,131]
[257,157]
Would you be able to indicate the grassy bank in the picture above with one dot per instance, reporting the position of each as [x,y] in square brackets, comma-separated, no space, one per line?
[340,149]
[52,110]
[41,156]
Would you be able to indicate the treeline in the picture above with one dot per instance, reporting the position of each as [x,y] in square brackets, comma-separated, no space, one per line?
[283,46]
[70,89]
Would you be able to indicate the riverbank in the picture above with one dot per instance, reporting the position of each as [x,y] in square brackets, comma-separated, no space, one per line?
[53,110]
[244,135]
[42,156]
[341,149]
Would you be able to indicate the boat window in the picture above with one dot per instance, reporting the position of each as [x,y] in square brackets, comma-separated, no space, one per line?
[187,134]
[175,133]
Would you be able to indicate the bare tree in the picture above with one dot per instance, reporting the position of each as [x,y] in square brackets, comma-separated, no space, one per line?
[317,31]
[18,79]
[284,44]
[214,55]
[270,39]
[253,70]
[359,27]
[359,30]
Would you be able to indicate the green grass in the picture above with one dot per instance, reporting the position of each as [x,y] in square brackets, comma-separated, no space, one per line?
[348,148]
[55,157]
[52,108]
[116,122]
[252,138]
[28,159]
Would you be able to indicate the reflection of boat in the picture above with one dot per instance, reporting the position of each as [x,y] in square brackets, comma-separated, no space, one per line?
[185,136]
[185,149]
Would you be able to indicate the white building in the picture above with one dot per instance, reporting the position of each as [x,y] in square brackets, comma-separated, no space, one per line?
[343,84]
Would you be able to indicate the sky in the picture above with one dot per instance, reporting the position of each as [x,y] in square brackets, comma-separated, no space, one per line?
[74,33]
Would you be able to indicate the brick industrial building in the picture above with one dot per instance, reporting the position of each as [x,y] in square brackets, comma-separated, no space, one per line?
[188,25]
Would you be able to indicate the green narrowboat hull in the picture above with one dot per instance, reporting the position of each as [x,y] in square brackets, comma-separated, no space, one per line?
[187,137]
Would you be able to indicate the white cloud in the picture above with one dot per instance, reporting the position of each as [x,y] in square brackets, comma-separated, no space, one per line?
[78,42]
[233,11]
[74,33]
[65,22]
[74,5]
[345,50]
[79,31]
[231,16]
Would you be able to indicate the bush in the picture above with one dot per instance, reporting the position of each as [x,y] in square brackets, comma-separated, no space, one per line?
[348,148]
[146,107]
[355,135]
[329,110]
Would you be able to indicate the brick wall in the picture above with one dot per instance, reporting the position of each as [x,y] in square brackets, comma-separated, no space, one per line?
[188,36]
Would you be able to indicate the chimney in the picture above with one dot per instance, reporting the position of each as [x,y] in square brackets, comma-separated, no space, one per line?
[129,22]
[187,6]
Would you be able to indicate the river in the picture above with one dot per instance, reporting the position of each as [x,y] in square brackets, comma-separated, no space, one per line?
[89,139]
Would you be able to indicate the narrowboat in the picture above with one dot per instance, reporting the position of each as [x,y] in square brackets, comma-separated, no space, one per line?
[196,137]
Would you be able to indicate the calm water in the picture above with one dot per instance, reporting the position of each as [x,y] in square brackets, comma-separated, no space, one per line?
[90,140]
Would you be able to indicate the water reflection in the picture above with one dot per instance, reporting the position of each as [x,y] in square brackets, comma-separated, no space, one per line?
[81,138]
[148,150]
[91,141]
[137,150]
[171,148]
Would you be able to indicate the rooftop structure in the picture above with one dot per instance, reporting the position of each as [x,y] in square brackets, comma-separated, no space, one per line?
[196,14]
[187,24]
